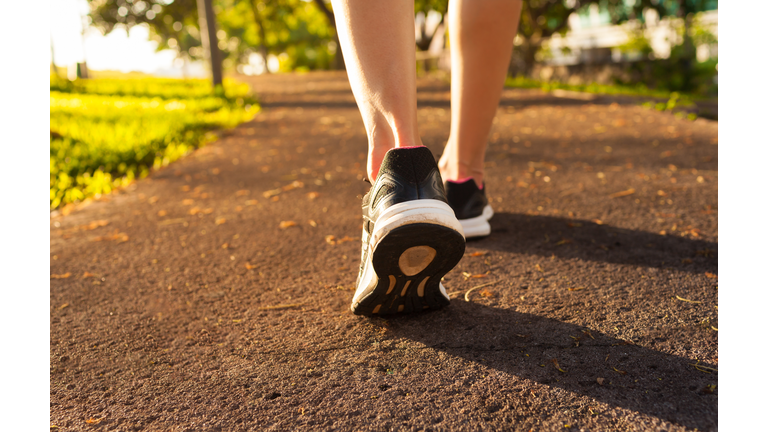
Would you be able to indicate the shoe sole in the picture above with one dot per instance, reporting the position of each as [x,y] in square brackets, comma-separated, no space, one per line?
[478,226]
[409,260]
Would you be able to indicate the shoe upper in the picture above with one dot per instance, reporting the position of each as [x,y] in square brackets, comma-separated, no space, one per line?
[406,174]
[466,199]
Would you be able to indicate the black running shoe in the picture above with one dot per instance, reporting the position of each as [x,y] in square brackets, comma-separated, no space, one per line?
[411,237]
[470,206]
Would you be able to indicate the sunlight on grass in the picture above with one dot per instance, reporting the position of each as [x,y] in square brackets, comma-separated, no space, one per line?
[107,132]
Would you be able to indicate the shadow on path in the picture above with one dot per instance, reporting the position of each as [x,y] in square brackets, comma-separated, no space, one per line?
[307,101]
[525,345]
[572,238]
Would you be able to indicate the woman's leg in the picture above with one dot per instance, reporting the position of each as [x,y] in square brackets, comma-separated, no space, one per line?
[379,45]
[481,37]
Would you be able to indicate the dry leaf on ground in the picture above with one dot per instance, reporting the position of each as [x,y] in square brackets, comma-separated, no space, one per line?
[61,276]
[278,307]
[95,224]
[295,185]
[287,224]
[622,193]
[686,300]
[121,237]
[332,240]
[220,220]
[271,193]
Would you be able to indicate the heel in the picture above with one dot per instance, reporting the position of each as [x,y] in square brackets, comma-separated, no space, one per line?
[409,264]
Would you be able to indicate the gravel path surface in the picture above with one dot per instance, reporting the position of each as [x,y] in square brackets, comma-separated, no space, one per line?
[214,295]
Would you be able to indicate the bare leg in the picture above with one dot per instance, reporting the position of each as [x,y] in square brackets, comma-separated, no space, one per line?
[379,45]
[481,37]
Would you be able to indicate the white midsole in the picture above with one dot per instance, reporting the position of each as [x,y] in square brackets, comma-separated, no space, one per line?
[478,226]
[410,212]
[416,211]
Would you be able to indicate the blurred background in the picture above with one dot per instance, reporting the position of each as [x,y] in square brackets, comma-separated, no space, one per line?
[664,44]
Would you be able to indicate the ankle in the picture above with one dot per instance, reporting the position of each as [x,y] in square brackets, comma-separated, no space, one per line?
[460,172]
[375,158]
[376,154]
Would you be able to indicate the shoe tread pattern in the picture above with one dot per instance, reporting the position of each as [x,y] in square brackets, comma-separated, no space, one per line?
[382,300]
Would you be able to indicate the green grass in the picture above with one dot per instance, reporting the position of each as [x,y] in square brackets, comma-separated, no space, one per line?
[107,132]
[675,101]
[610,89]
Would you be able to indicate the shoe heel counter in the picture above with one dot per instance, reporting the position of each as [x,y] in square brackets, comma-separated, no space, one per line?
[432,187]
[413,164]
[408,174]
[466,199]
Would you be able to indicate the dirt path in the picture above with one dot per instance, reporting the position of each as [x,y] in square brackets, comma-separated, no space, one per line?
[214,295]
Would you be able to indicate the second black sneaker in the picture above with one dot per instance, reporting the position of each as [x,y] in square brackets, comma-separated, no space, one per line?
[471,207]
[411,237]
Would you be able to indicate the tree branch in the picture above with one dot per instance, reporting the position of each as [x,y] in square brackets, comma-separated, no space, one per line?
[327,12]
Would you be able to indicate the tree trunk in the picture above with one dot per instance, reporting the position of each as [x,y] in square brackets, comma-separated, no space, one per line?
[210,41]
[528,50]
[689,50]
[338,59]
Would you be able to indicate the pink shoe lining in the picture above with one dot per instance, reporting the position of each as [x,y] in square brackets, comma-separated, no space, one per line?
[464,180]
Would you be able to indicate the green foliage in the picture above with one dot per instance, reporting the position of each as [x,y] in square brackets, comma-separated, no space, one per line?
[681,72]
[675,101]
[427,5]
[614,89]
[105,133]
[294,27]
[637,43]
[165,88]
[542,18]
